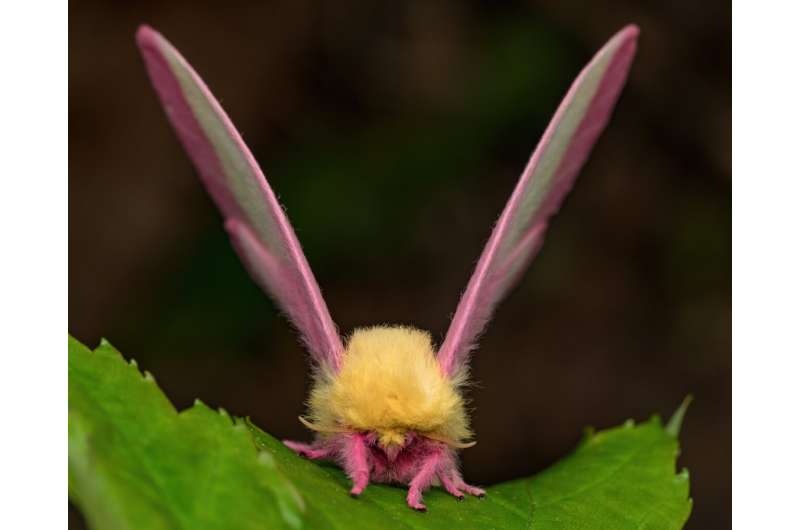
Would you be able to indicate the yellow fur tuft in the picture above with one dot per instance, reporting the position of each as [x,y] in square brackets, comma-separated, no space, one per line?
[390,382]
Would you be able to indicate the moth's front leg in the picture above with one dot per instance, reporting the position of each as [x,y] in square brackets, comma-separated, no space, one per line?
[451,481]
[310,451]
[356,462]
[473,490]
[446,478]
[463,486]
[422,480]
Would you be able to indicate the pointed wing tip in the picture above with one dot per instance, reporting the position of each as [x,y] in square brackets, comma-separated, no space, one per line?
[147,37]
[628,38]
[622,46]
[631,31]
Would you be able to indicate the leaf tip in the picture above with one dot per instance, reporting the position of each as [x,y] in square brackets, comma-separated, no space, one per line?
[224,413]
[674,424]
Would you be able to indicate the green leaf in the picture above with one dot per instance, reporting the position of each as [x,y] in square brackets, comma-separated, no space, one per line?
[135,462]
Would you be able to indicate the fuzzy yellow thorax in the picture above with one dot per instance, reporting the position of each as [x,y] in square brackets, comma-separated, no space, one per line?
[390,383]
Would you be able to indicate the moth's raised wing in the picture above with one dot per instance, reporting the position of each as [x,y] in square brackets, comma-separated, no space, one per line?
[548,177]
[255,221]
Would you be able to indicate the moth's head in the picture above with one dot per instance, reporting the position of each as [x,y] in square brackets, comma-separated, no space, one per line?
[391,440]
[387,438]
[391,387]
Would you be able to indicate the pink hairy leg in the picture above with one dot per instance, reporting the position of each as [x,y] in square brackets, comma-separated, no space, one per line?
[356,463]
[450,486]
[446,478]
[452,482]
[309,451]
[422,480]
[472,490]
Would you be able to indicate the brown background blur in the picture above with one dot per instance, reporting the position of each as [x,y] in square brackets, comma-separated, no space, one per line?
[393,134]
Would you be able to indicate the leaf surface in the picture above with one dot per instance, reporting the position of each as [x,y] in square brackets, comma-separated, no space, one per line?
[135,462]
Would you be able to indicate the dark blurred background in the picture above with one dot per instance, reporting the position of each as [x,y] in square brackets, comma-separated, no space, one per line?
[393,135]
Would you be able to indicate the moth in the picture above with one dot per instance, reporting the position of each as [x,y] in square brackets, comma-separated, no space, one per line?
[387,405]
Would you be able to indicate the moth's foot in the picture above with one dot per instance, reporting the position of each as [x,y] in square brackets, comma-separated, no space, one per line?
[305,450]
[466,488]
[455,492]
[356,491]
[458,487]
[360,481]
[451,486]
[472,490]
[414,500]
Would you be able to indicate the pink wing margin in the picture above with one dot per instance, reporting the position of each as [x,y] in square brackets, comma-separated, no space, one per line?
[255,220]
[549,175]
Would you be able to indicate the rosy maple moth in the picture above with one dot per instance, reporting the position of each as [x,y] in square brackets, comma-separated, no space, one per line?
[387,406]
